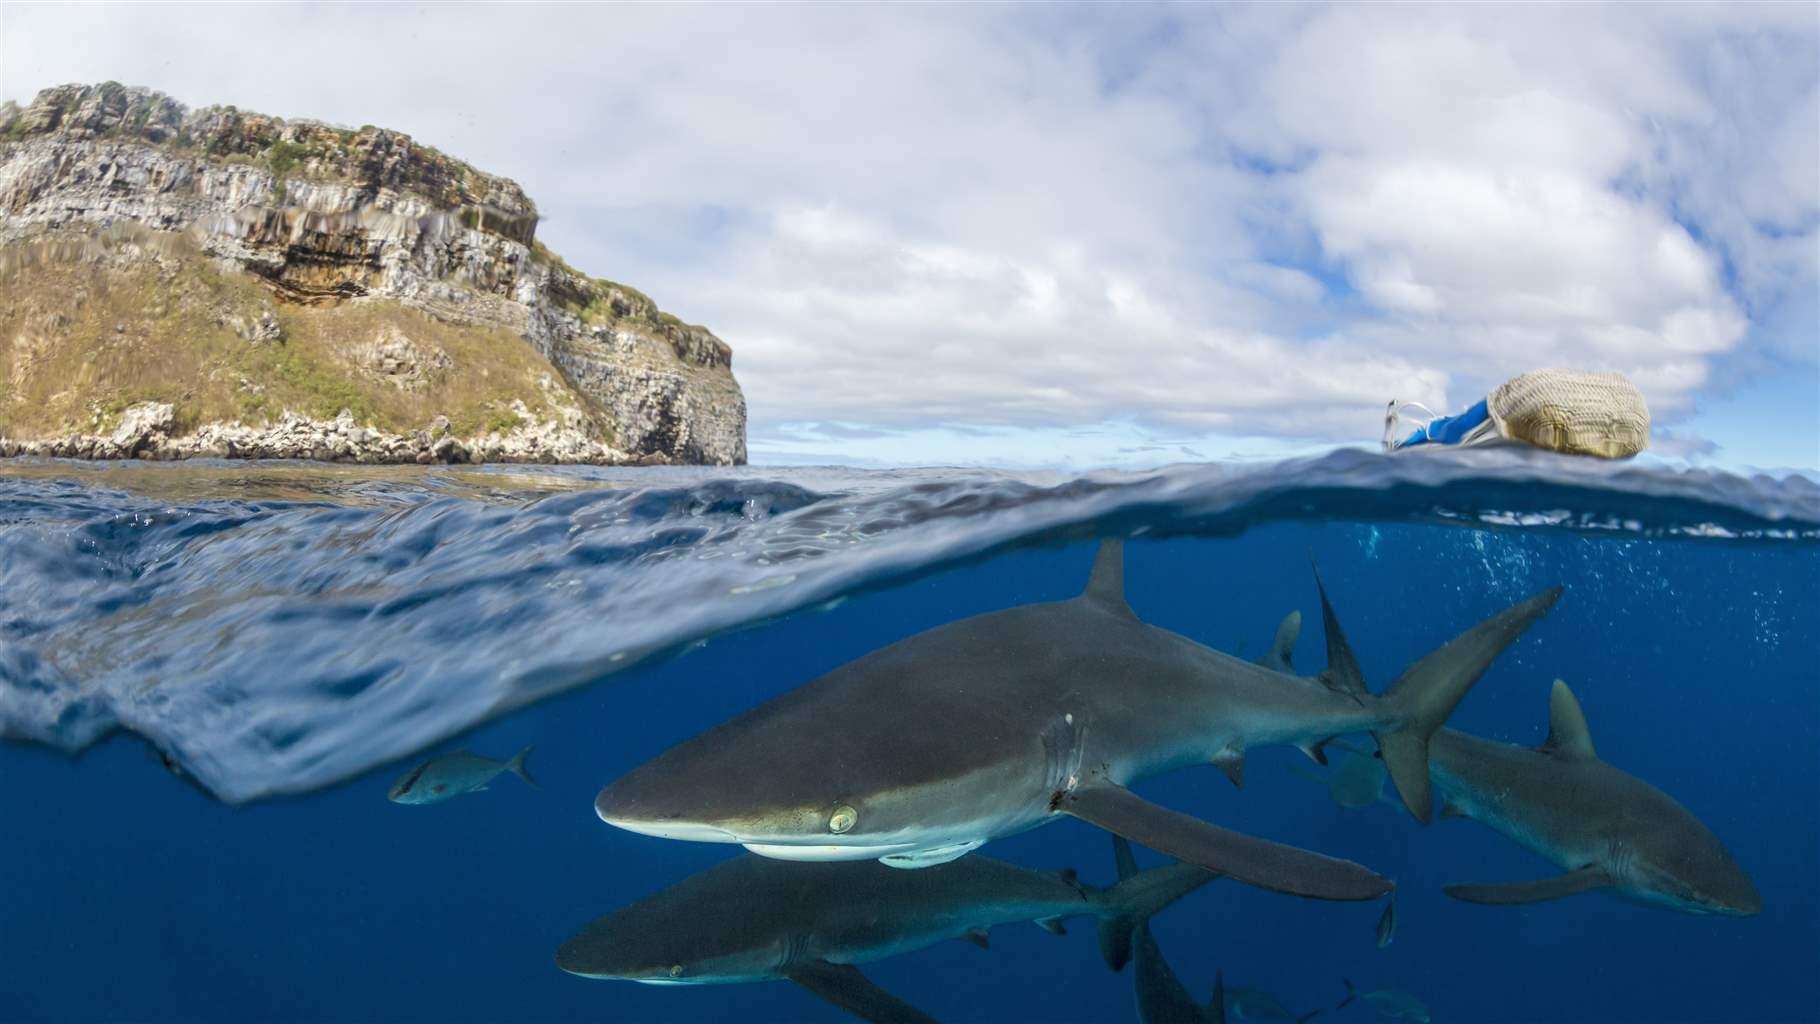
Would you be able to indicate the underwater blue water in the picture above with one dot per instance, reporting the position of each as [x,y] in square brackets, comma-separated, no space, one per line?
[293,638]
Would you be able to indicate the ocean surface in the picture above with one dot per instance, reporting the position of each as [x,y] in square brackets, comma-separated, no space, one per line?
[211,673]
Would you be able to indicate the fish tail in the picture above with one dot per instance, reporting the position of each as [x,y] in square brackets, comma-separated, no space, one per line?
[1422,698]
[1351,994]
[1128,905]
[517,766]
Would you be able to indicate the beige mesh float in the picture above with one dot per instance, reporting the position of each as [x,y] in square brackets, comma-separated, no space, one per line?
[1575,412]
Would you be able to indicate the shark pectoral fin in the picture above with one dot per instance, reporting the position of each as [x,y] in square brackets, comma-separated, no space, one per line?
[845,987]
[1247,859]
[1590,877]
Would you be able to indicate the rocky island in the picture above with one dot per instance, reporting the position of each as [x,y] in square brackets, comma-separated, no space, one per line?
[178,283]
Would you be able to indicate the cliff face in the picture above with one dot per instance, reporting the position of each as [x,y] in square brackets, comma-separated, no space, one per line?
[343,230]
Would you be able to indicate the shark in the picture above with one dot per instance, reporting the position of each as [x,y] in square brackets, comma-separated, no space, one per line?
[1161,996]
[926,749]
[1604,827]
[757,919]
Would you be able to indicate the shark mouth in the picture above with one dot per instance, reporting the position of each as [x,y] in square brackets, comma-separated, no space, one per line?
[896,855]
[689,831]
[907,853]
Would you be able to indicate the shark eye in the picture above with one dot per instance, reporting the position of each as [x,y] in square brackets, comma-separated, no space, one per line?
[842,819]
[676,970]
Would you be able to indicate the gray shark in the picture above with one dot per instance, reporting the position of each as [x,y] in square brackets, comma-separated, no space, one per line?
[1607,829]
[926,749]
[1161,996]
[757,919]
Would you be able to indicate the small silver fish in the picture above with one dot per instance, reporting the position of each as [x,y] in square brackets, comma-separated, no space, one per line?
[451,775]
[1387,922]
[1390,1005]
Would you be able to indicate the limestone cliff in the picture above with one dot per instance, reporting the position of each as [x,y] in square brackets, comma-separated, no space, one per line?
[281,284]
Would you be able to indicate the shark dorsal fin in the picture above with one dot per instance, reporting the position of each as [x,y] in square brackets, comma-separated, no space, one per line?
[1106,587]
[1288,631]
[1342,673]
[1568,736]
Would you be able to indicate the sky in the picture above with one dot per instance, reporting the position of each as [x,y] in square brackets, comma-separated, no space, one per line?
[1075,235]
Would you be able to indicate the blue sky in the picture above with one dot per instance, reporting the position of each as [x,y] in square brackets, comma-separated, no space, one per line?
[1084,235]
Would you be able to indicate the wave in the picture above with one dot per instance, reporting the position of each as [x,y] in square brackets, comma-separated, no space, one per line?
[275,628]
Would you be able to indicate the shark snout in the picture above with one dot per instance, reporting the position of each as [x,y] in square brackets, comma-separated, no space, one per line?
[572,957]
[1737,897]
[629,805]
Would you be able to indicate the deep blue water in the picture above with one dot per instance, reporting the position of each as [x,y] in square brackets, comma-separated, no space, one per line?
[293,638]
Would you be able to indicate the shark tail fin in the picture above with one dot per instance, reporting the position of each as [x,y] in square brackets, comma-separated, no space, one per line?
[517,766]
[1420,700]
[1351,994]
[1139,894]
[1216,1006]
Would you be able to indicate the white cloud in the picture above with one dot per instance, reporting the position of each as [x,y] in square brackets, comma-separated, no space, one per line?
[1198,220]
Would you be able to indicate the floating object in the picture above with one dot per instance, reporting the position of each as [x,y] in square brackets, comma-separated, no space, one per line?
[1574,412]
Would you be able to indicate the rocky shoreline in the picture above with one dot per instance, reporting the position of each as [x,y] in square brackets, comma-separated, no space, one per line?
[147,432]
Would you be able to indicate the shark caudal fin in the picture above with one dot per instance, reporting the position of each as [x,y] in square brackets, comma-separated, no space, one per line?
[1428,691]
[517,767]
[1138,895]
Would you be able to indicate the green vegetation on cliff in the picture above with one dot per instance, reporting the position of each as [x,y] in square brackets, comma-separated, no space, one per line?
[88,329]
